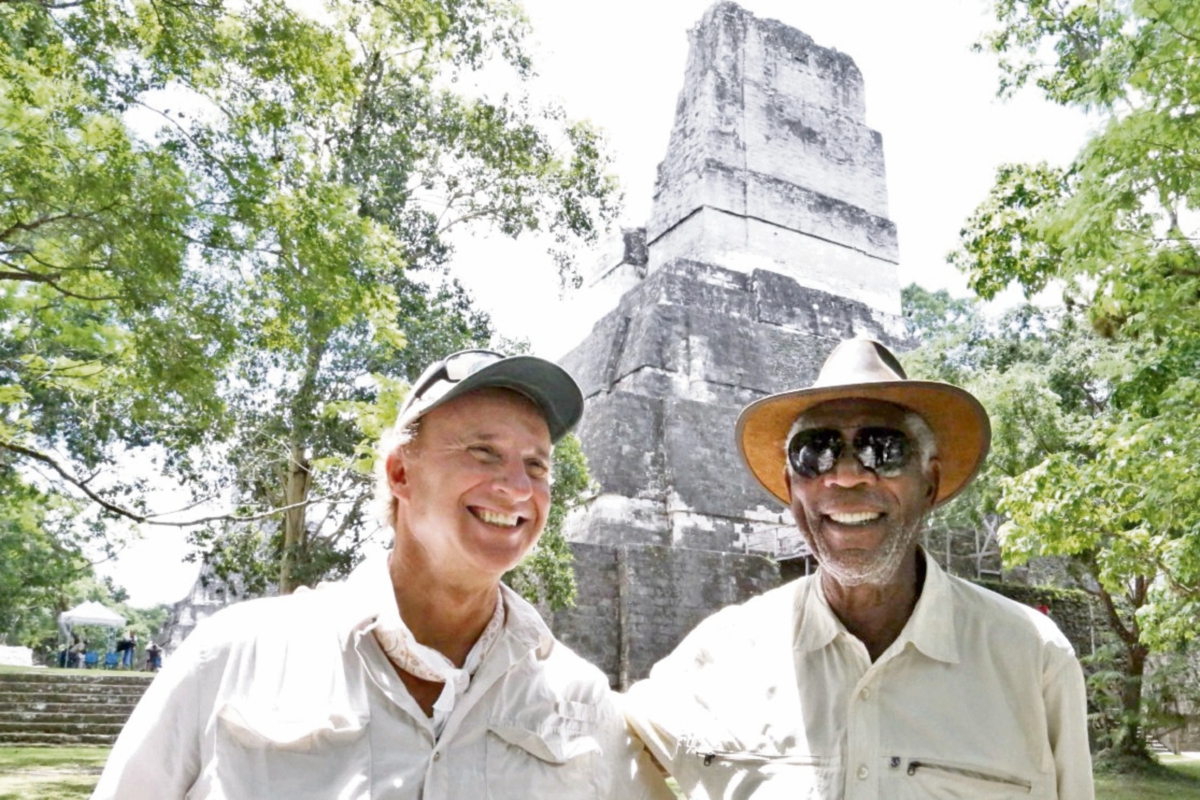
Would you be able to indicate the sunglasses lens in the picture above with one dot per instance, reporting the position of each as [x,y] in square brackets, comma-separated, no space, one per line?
[462,365]
[886,451]
[814,452]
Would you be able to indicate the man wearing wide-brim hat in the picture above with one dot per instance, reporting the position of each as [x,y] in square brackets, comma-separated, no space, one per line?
[879,676]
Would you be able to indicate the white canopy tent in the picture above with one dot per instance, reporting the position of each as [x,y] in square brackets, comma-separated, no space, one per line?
[91,613]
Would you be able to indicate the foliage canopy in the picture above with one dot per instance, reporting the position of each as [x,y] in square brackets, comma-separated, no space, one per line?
[214,222]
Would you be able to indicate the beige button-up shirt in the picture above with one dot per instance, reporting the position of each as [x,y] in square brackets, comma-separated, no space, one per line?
[292,697]
[979,697]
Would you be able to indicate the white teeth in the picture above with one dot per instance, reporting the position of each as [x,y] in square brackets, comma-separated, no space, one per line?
[856,518]
[503,520]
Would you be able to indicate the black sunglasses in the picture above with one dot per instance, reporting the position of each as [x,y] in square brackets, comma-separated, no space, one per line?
[455,368]
[884,451]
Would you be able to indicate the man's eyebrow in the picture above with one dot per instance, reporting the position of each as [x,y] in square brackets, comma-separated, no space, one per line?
[485,436]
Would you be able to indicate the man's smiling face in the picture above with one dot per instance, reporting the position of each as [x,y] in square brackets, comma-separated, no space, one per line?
[859,524]
[474,488]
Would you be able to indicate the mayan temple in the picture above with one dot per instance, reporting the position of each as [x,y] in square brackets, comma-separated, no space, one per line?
[769,242]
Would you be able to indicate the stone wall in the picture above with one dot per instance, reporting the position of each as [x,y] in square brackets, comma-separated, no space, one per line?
[592,628]
[636,602]
[665,375]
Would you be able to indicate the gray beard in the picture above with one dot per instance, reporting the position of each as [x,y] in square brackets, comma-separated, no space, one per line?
[877,570]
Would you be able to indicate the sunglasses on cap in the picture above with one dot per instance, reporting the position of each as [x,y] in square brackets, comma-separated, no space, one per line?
[457,367]
[815,451]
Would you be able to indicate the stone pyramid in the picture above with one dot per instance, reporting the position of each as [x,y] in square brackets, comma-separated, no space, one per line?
[768,243]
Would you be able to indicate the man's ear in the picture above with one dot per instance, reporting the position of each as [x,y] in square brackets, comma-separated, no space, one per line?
[397,471]
[933,474]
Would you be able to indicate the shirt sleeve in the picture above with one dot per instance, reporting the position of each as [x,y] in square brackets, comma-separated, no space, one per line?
[1066,719]
[157,755]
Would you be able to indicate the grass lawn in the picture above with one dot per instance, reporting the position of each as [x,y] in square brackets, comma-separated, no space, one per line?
[1180,781]
[70,773]
[57,671]
[50,773]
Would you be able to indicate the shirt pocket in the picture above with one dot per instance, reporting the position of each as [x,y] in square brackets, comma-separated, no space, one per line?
[267,754]
[545,753]
[765,776]
[942,780]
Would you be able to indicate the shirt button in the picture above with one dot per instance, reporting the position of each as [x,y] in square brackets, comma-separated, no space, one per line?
[865,694]
[437,756]
[863,772]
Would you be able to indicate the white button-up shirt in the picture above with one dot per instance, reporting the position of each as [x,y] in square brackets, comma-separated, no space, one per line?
[978,697]
[293,697]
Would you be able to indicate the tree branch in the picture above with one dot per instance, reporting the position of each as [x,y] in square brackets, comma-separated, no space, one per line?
[148,519]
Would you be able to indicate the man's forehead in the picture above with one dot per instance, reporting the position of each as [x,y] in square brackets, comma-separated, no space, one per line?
[487,414]
[853,413]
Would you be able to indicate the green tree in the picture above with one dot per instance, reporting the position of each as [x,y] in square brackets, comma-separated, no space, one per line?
[39,563]
[1115,232]
[303,167]
[1047,488]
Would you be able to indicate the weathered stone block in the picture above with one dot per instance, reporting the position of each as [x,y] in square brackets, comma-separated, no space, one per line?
[618,433]
[695,284]
[611,519]
[591,627]
[671,590]
[656,337]
[745,244]
[782,301]
[705,474]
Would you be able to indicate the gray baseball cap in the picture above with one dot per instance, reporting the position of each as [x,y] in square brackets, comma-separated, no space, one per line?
[548,385]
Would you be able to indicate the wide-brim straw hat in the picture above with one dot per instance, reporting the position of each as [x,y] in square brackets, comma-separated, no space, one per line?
[865,369]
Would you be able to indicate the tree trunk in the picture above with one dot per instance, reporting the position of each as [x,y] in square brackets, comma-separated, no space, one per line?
[1132,737]
[294,527]
[299,468]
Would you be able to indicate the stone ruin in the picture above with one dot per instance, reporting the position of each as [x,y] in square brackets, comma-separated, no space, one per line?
[768,243]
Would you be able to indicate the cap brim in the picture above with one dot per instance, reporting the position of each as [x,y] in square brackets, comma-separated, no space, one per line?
[548,385]
[958,421]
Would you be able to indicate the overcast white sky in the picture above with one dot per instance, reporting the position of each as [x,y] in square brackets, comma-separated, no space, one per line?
[620,64]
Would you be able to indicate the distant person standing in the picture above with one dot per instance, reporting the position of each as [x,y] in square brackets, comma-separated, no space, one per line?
[127,646]
[153,657]
[75,658]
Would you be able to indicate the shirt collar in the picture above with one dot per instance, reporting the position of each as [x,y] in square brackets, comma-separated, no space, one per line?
[372,595]
[930,628]
[525,624]
[816,624]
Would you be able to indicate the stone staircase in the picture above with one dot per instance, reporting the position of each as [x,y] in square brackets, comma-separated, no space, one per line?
[49,708]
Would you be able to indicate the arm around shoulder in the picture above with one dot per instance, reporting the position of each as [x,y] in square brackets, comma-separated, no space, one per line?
[635,775]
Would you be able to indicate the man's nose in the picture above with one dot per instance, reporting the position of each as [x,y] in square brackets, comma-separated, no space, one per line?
[513,480]
[848,471]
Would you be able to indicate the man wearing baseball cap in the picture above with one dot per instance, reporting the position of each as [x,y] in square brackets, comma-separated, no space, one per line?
[421,675]
[880,676]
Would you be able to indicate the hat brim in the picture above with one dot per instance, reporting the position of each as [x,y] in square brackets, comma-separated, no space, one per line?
[548,385]
[958,421]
